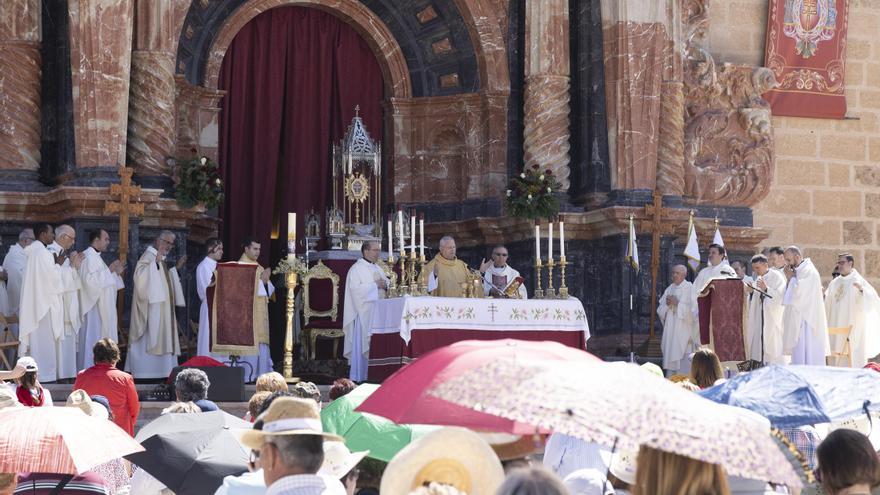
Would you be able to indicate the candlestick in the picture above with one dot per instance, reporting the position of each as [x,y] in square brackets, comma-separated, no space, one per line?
[537,242]
[400,231]
[390,243]
[290,281]
[561,239]
[563,289]
[550,293]
[412,232]
[422,237]
[539,293]
[550,241]
[423,277]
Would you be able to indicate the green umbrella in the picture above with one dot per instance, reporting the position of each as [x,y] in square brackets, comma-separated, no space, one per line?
[364,431]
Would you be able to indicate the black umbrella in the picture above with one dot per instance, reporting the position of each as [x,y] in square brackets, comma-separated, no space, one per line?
[192,453]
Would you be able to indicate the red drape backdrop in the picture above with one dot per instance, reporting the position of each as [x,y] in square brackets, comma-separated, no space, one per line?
[293,76]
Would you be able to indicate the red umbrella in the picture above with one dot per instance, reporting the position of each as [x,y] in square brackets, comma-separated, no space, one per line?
[402,398]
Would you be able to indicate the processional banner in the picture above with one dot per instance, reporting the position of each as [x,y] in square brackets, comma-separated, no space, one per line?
[231,309]
[806,50]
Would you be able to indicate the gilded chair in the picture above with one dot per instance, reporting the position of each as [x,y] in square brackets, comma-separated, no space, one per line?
[321,307]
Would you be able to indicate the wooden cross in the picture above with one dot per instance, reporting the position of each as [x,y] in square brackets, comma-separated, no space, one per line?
[126,207]
[657,227]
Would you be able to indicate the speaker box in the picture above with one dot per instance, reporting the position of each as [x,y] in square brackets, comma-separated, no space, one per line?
[227,383]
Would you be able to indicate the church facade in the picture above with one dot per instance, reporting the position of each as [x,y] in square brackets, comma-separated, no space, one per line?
[621,99]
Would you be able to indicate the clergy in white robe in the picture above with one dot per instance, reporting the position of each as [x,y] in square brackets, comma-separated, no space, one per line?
[740,271]
[262,362]
[763,331]
[498,275]
[851,300]
[41,312]
[681,331]
[13,265]
[805,336]
[364,285]
[100,285]
[718,268]
[65,236]
[204,279]
[153,344]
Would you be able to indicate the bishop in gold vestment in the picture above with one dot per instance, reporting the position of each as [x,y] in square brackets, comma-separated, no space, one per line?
[446,273]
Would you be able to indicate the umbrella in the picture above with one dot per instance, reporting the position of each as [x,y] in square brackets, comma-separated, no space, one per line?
[622,404]
[402,398]
[58,440]
[192,453]
[364,431]
[791,396]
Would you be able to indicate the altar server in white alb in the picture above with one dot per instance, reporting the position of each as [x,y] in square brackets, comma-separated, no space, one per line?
[805,336]
[364,285]
[763,332]
[851,300]
[41,313]
[497,275]
[204,279]
[13,268]
[65,237]
[681,332]
[261,363]
[153,345]
[100,285]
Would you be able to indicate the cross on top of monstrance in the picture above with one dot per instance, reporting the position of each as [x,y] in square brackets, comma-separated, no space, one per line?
[126,207]
[655,212]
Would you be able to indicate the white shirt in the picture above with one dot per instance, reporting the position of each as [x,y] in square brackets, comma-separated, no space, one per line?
[306,484]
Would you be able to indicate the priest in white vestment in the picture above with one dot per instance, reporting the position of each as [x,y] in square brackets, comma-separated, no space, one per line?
[41,312]
[153,344]
[718,268]
[261,363]
[763,331]
[100,285]
[364,285]
[681,331]
[498,275]
[740,271]
[851,300]
[805,336]
[13,264]
[65,237]
[204,279]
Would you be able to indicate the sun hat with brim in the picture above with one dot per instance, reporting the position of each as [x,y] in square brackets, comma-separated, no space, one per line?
[28,363]
[286,416]
[338,460]
[623,466]
[80,398]
[450,456]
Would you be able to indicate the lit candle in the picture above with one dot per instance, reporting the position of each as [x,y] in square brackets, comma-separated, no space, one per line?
[561,239]
[291,233]
[400,231]
[390,241]
[537,242]
[550,242]
[412,231]
[422,236]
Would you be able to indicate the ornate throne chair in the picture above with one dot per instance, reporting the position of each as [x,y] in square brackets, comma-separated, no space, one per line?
[321,307]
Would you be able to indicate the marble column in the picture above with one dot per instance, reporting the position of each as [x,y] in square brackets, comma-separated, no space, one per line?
[100,59]
[635,42]
[20,36]
[547,80]
[151,106]
[670,151]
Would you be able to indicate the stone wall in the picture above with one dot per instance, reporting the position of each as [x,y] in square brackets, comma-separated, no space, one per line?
[825,196]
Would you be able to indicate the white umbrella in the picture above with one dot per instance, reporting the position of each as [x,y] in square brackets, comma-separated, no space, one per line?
[610,403]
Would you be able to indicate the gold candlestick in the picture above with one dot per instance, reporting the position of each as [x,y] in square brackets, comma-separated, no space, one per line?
[539,293]
[423,277]
[413,280]
[551,292]
[563,289]
[403,288]
[289,282]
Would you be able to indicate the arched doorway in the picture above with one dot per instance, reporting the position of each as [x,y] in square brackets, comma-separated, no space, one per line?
[293,76]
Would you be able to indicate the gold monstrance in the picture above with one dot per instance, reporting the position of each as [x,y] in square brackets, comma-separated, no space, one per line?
[357,179]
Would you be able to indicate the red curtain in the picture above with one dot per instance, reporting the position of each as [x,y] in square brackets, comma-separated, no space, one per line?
[293,76]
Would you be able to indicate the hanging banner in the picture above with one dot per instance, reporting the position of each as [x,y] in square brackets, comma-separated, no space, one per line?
[806,50]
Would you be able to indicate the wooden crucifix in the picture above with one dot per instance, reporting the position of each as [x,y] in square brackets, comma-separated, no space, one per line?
[655,212]
[126,207]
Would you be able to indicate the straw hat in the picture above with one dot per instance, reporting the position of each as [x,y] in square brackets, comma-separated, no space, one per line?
[452,456]
[29,363]
[80,398]
[623,466]
[7,397]
[287,416]
[338,460]
[509,447]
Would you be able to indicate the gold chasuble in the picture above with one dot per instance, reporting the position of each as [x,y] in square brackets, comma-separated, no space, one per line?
[223,304]
[450,275]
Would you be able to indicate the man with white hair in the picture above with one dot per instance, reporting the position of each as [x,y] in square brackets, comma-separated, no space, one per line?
[65,237]
[13,268]
[153,344]
[805,336]
[446,273]
[680,329]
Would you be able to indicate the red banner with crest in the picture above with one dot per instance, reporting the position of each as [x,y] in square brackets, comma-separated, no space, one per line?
[806,50]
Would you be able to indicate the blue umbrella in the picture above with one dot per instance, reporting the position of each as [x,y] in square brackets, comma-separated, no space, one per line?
[791,396]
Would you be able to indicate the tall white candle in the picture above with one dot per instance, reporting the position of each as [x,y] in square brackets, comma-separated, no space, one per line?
[412,231]
[537,243]
[422,238]
[550,242]
[390,240]
[561,239]
[291,233]
[400,231]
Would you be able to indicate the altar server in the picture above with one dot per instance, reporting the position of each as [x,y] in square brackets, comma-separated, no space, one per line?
[204,279]
[364,285]
[763,332]
[497,275]
[100,285]
[851,300]
[13,266]
[680,329]
[65,237]
[805,336]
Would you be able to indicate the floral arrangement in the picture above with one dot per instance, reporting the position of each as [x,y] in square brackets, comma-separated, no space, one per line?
[289,264]
[531,194]
[198,181]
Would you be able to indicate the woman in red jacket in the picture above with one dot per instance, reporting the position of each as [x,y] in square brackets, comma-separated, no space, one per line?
[29,392]
[116,385]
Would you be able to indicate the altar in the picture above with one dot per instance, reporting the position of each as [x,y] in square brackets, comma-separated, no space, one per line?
[404,328]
